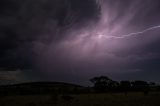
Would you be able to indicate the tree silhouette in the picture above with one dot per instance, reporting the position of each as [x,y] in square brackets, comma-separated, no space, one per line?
[125,86]
[152,84]
[141,86]
[102,83]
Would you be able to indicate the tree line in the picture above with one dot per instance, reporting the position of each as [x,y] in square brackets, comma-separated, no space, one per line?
[105,84]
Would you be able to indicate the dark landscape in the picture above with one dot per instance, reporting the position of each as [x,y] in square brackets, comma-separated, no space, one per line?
[105,92]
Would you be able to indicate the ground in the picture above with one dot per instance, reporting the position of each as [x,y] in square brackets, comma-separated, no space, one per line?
[108,99]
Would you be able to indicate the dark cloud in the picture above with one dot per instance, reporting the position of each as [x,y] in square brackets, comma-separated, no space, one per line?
[24,22]
[76,39]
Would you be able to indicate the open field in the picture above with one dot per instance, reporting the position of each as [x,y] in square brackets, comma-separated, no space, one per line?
[110,99]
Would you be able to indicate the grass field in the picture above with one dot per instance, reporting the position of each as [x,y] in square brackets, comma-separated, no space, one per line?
[110,99]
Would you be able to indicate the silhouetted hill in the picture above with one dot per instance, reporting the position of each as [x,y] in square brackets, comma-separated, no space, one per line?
[40,88]
[47,84]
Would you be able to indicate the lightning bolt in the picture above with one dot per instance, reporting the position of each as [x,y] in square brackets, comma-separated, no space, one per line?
[128,35]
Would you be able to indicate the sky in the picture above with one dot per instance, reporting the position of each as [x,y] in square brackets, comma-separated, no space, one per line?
[75,40]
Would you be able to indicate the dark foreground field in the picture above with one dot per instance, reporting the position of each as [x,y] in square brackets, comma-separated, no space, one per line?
[109,99]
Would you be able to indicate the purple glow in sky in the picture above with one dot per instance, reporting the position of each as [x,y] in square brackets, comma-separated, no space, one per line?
[73,40]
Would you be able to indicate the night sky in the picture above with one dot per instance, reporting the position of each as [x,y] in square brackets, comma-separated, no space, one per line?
[75,40]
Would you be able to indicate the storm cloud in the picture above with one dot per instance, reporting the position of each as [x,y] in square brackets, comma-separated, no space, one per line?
[73,40]
[26,22]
